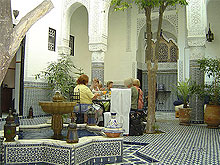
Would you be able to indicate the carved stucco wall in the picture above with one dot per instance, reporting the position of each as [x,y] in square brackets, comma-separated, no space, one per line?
[196,24]
[172,19]
[170,24]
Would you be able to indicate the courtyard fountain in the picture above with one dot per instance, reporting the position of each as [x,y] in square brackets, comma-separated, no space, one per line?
[84,150]
[57,108]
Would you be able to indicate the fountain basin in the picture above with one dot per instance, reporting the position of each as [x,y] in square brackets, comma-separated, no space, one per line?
[47,133]
[57,107]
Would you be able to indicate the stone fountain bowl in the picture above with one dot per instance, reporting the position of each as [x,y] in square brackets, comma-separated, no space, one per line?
[57,107]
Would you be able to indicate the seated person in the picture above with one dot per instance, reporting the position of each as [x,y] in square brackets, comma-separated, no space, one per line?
[100,86]
[178,104]
[86,96]
[134,93]
[109,86]
[136,127]
[95,85]
[107,94]
[136,84]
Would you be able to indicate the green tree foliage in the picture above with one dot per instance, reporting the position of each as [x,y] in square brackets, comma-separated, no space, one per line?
[211,67]
[185,89]
[143,4]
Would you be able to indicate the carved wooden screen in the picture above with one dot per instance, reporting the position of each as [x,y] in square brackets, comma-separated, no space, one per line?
[168,51]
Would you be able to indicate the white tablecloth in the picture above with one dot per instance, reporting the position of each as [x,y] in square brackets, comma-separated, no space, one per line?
[121,104]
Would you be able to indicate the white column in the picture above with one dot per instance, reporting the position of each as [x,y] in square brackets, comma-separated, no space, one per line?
[98,28]
[196,24]
[98,65]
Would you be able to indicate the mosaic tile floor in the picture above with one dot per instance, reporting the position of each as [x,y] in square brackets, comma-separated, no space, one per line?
[183,145]
[193,144]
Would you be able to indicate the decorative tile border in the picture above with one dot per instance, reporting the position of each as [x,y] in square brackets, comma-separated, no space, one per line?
[1,150]
[104,150]
[36,153]
[33,93]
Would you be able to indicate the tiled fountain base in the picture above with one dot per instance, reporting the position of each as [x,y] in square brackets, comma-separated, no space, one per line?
[89,150]
[195,144]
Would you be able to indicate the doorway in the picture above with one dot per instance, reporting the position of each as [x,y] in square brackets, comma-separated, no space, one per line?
[12,87]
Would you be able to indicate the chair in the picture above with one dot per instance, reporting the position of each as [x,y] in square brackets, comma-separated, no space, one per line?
[75,96]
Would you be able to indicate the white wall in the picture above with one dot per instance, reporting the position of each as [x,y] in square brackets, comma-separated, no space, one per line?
[117,60]
[79,29]
[37,54]
[213,12]
[213,17]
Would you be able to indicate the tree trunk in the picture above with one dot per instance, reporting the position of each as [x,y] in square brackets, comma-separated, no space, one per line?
[151,101]
[11,40]
[152,69]
[5,33]
[151,75]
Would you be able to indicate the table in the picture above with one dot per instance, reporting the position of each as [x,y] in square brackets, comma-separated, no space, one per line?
[101,103]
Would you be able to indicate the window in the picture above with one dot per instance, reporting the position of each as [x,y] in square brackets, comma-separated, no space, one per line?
[51,39]
[71,45]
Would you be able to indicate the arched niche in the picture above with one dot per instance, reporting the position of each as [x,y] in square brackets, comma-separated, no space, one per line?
[169,34]
[69,7]
[78,29]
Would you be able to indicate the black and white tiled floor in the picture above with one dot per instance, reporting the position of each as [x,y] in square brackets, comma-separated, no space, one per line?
[184,145]
[195,144]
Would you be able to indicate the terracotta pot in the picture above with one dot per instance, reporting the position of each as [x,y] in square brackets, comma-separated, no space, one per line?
[212,116]
[184,116]
[112,135]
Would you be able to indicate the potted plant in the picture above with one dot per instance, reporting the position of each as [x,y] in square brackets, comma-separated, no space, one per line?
[60,75]
[211,67]
[184,90]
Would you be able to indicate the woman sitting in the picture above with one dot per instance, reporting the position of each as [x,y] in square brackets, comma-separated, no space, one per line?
[109,86]
[86,96]
[134,93]
[95,85]
[136,126]
[136,84]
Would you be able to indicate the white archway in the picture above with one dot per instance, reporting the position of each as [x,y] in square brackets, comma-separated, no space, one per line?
[69,6]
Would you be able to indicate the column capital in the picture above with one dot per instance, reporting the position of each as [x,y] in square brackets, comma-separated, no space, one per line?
[196,41]
[196,22]
[95,47]
[98,56]
[197,52]
[63,50]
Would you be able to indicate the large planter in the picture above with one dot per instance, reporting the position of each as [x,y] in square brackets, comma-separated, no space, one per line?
[212,116]
[184,116]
